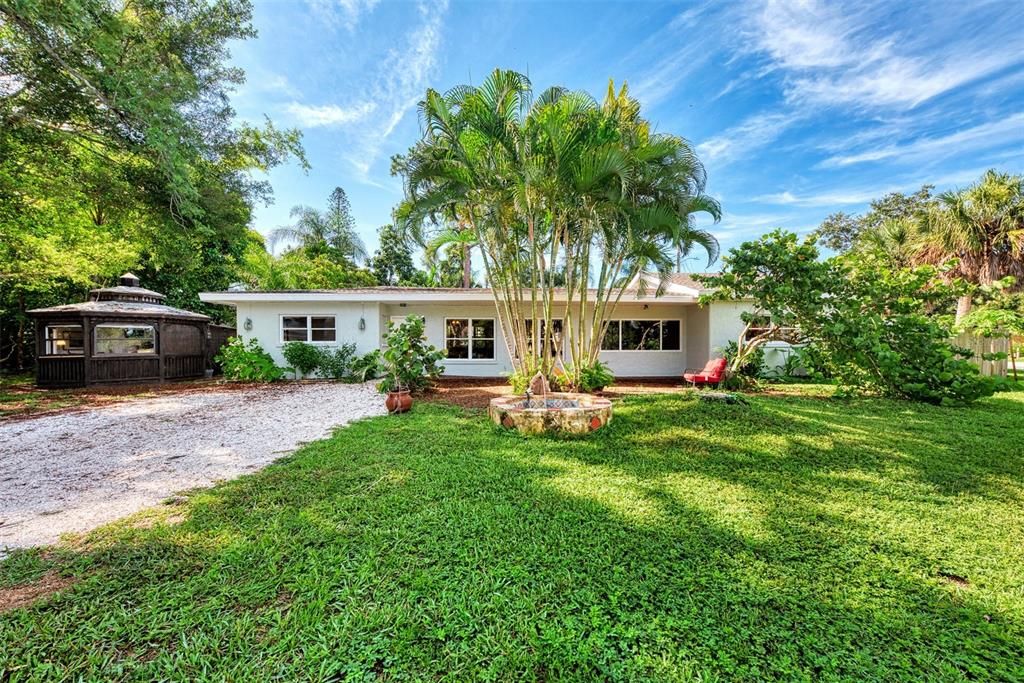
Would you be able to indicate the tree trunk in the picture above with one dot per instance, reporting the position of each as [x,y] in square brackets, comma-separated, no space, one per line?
[467,268]
[20,341]
[963,307]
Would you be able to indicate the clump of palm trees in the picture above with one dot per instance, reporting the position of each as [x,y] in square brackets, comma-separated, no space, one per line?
[978,231]
[556,189]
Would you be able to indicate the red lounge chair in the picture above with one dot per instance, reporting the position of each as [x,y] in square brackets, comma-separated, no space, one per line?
[713,373]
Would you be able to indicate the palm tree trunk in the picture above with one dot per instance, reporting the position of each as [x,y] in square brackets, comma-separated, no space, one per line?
[467,268]
[963,307]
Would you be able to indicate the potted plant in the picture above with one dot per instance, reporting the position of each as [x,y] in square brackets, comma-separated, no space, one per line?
[399,398]
[410,364]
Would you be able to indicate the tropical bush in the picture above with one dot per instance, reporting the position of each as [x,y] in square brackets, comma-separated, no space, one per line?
[409,363]
[336,363]
[367,366]
[869,322]
[595,376]
[328,362]
[519,381]
[302,357]
[248,362]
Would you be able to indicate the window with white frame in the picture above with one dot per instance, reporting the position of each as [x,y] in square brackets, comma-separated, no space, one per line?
[308,328]
[642,335]
[64,340]
[122,340]
[469,338]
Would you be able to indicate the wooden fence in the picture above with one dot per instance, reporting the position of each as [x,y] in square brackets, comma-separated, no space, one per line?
[982,346]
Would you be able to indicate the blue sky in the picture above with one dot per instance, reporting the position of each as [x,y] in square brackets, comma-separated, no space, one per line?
[798,109]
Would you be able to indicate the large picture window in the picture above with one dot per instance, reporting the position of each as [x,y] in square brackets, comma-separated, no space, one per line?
[64,340]
[469,338]
[121,340]
[308,328]
[642,335]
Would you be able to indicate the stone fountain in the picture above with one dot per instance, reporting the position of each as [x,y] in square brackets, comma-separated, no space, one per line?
[542,410]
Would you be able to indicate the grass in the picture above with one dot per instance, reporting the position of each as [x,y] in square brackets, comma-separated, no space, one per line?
[798,538]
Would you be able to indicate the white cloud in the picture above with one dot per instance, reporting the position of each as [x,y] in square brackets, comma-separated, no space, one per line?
[312,116]
[341,13]
[744,138]
[383,94]
[659,78]
[830,57]
[398,84]
[979,137]
[840,197]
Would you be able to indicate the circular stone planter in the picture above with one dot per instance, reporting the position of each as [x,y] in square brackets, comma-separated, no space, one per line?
[556,412]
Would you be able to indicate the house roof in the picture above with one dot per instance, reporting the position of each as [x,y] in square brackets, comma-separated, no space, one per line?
[687,280]
[121,308]
[403,294]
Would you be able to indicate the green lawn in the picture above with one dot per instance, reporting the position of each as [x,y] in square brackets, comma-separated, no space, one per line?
[796,538]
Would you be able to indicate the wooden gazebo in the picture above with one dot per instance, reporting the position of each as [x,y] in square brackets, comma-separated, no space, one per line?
[121,334]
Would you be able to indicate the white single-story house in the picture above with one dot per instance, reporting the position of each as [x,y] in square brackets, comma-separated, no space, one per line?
[650,336]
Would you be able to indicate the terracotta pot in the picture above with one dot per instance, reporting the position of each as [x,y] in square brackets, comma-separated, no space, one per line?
[398,402]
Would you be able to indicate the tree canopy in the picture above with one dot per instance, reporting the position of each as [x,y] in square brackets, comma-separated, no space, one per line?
[119,150]
[871,323]
[556,185]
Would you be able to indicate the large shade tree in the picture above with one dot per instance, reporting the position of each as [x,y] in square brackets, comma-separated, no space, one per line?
[553,187]
[119,150]
[982,228]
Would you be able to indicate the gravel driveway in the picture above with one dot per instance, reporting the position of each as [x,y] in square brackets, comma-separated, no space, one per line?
[76,471]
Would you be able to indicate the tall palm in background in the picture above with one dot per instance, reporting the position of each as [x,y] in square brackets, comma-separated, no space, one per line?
[329,233]
[898,241]
[982,227]
[554,186]
[459,240]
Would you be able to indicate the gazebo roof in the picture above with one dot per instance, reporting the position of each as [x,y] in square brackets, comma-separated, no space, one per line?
[122,290]
[125,299]
[120,308]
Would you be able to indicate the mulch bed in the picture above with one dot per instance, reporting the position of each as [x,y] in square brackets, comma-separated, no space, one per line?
[38,401]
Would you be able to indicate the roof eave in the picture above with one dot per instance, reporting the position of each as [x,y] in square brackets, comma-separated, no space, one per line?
[470,295]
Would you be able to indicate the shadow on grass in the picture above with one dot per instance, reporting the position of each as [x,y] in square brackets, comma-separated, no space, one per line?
[791,539]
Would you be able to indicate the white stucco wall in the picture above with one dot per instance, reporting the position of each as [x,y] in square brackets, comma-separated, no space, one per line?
[434,316]
[704,331]
[266,323]
[698,343]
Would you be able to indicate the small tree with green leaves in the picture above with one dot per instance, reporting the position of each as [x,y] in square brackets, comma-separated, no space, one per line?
[409,362]
[869,322]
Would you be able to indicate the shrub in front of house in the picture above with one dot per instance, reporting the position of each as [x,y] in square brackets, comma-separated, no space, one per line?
[336,363]
[595,377]
[248,362]
[303,357]
[366,367]
[409,362]
[327,362]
